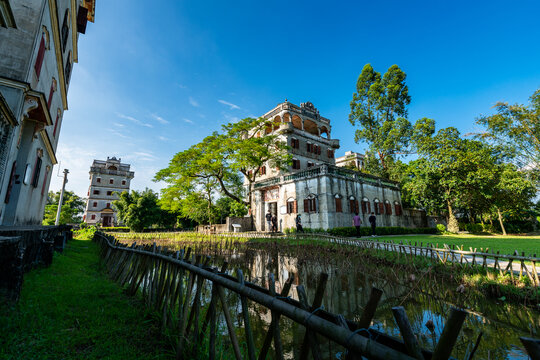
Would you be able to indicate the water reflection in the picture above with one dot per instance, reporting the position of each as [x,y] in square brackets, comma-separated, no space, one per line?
[423,295]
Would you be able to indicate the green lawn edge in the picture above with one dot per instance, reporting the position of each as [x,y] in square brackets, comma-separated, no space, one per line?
[71,310]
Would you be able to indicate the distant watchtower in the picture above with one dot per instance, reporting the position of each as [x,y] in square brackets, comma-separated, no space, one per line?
[106,178]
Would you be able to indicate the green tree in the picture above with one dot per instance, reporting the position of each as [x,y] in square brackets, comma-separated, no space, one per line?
[517,127]
[72,208]
[379,109]
[462,171]
[241,148]
[513,193]
[140,209]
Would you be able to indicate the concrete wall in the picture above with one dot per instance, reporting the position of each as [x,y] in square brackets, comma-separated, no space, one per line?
[324,187]
[20,85]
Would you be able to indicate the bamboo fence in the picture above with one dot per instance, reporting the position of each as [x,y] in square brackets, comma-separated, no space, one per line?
[173,284]
[453,255]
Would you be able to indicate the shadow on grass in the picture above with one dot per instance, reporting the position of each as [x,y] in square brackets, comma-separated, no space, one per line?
[71,310]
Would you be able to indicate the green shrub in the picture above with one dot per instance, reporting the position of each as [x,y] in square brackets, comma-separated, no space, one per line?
[474,228]
[116,229]
[388,230]
[441,228]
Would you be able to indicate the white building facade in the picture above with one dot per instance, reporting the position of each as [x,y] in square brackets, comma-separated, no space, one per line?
[38,46]
[325,196]
[107,179]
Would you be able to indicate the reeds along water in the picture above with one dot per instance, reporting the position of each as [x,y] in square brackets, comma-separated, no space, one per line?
[424,296]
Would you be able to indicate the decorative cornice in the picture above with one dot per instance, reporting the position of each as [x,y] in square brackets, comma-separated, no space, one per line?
[48,146]
[43,103]
[53,10]
[25,87]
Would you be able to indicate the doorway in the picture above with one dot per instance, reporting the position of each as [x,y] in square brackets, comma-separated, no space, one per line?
[272,206]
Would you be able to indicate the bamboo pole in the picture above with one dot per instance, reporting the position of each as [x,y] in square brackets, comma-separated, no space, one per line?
[411,343]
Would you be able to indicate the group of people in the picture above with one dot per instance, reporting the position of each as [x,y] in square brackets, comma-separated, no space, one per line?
[357,221]
[271,221]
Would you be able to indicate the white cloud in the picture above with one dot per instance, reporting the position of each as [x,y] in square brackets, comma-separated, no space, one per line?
[132,119]
[119,125]
[160,120]
[193,102]
[119,134]
[163,138]
[231,105]
[188,121]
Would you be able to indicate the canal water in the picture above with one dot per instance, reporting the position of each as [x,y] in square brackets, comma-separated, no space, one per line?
[426,298]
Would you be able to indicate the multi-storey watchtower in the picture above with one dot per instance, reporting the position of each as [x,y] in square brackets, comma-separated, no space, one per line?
[107,178]
[306,132]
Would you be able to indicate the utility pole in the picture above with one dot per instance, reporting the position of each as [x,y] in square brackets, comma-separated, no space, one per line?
[66,171]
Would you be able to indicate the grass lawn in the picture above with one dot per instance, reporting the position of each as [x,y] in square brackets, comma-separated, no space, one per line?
[505,244]
[71,310]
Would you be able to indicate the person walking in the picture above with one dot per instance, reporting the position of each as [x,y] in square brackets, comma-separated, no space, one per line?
[269,221]
[274,223]
[356,223]
[372,220]
[299,227]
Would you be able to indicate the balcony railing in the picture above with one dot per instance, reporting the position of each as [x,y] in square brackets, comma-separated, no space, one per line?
[326,169]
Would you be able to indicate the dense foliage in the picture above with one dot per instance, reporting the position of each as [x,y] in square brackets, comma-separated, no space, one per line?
[140,209]
[491,178]
[72,208]
[197,178]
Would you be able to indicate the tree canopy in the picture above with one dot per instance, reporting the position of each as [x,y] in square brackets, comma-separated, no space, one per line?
[72,208]
[379,109]
[517,128]
[216,164]
[140,209]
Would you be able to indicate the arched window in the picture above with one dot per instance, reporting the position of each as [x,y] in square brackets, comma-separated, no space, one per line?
[388,207]
[310,204]
[58,113]
[399,210]
[65,30]
[43,45]
[292,206]
[37,168]
[353,205]
[378,206]
[339,207]
[68,67]
[263,170]
[366,206]
[51,92]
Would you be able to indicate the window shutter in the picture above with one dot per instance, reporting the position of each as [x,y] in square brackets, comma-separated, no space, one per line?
[49,101]
[295,206]
[318,150]
[368,207]
[82,19]
[364,207]
[40,56]
[381,208]
[338,205]
[388,209]
[314,203]
[306,205]
[56,124]
[44,181]
[356,208]
[37,170]
[11,181]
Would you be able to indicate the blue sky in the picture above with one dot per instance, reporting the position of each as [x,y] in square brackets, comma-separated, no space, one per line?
[153,80]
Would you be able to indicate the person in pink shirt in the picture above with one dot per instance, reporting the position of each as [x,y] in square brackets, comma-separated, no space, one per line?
[357,222]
